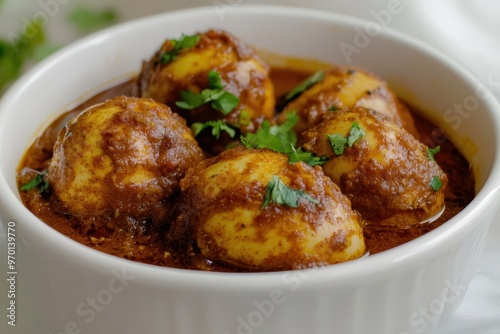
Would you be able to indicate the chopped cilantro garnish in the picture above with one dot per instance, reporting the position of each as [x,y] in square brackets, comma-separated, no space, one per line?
[190,100]
[279,193]
[333,108]
[38,181]
[431,152]
[217,127]
[263,138]
[225,103]
[338,142]
[281,138]
[180,45]
[88,20]
[214,80]
[315,78]
[284,131]
[219,99]
[355,134]
[244,118]
[300,155]
[436,183]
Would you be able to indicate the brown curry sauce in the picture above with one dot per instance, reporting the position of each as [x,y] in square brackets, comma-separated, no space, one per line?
[141,241]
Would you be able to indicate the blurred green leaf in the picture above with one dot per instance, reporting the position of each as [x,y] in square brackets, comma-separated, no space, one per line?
[218,126]
[15,53]
[87,20]
[44,51]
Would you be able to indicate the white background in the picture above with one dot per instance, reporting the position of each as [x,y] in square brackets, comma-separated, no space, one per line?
[467,30]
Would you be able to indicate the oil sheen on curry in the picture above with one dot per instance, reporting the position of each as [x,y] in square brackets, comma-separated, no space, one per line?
[210,159]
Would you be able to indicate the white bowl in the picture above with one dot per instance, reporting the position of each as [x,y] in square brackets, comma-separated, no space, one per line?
[408,289]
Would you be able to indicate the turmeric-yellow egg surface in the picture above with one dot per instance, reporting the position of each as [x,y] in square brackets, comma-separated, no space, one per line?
[125,156]
[348,87]
[254,210]
[389,176]
[210,76]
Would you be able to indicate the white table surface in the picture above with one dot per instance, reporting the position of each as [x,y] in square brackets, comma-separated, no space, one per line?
[467,30]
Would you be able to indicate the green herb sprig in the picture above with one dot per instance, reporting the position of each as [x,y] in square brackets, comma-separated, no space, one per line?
[278,138]
[88,20]
[431,152]
[307,157]
[218,126]
[281,138]
[180,45]
[215,94]
[339,142]
[313,79]
[436,183]
[280,193]
[39,181]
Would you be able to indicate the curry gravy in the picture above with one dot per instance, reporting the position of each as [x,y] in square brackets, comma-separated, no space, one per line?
[143,242]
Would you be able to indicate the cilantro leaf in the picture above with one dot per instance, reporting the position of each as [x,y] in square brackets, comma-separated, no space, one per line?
[279,193]
[219,99]
[355,134]
[38,181]
[180,45]
[436,183]
[190,100]
[281,138]
[214,80]
[337,142]
[431,152]
[217,127]
[168,56]
[250,140]
[88,20]
[315,78]
[211,94]
[225,103]
[307,157]
[244,118]
[263,138]
[333,108]
[284,131]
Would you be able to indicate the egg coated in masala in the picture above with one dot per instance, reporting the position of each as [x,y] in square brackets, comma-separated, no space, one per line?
[236,210]
[191,65]
[389,176]
[125,156]
[347,87]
